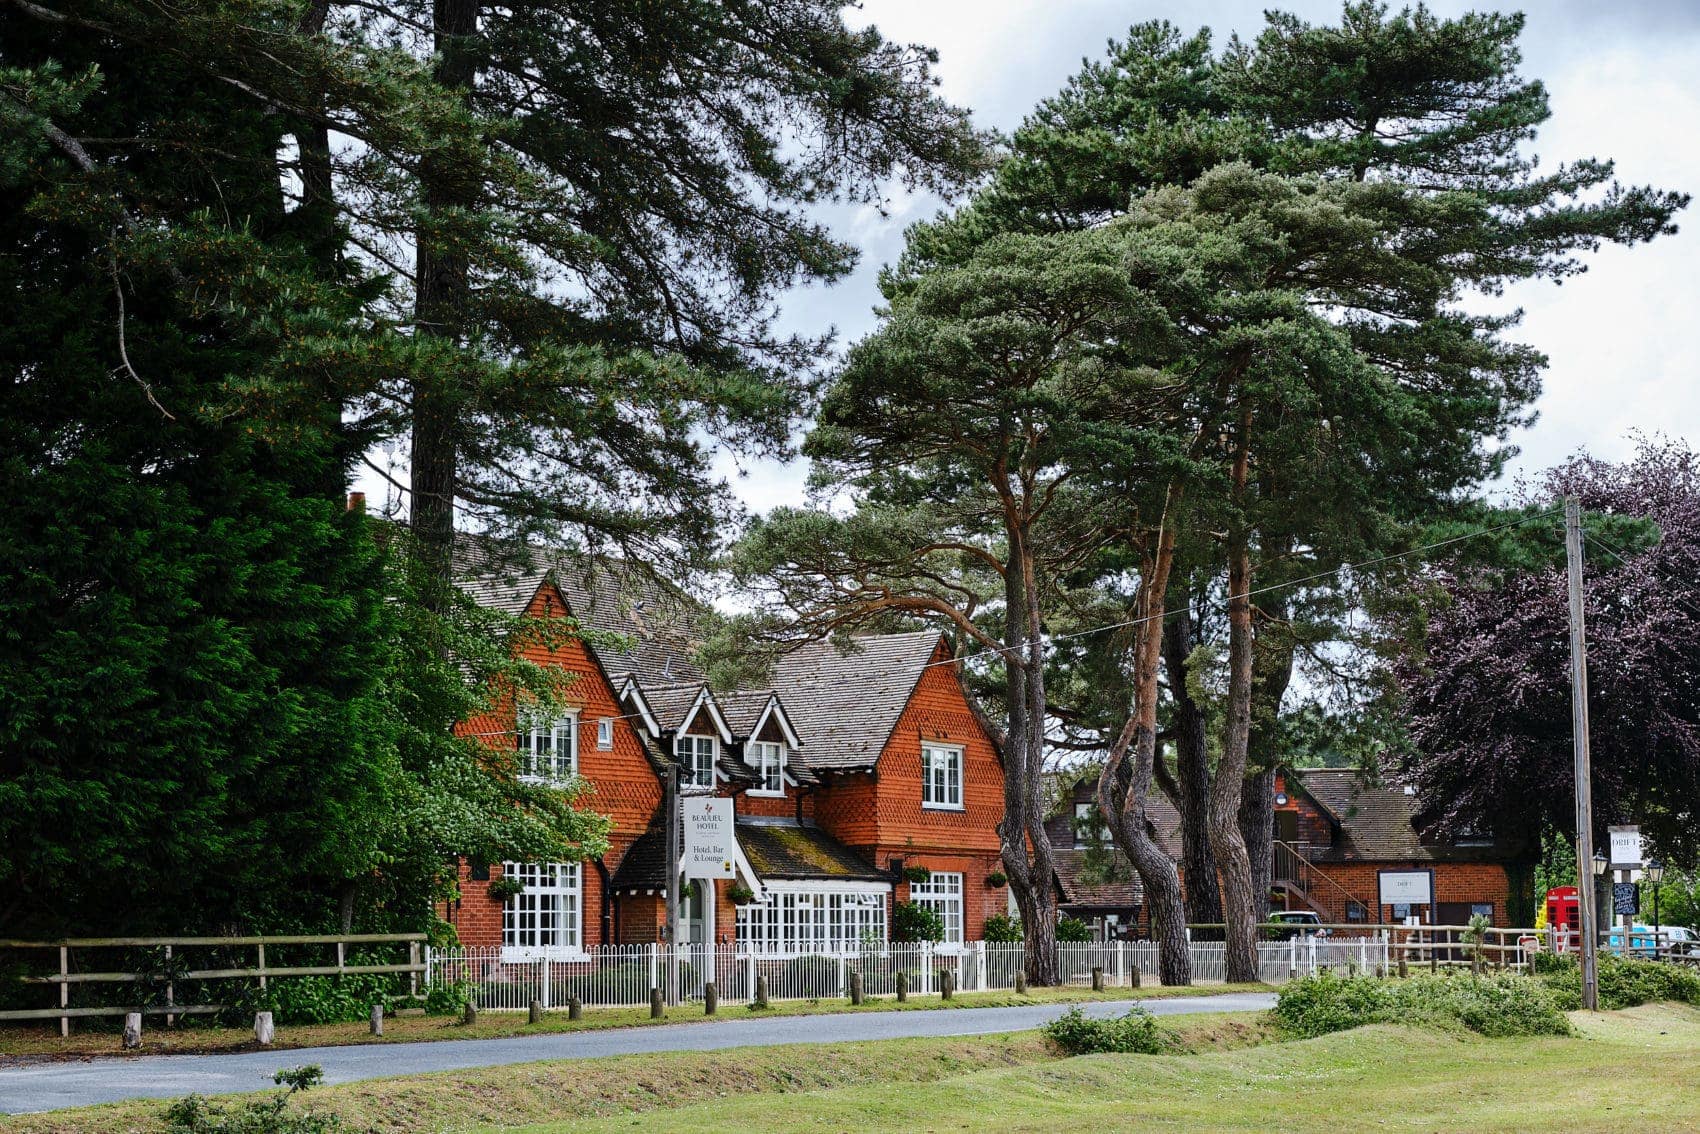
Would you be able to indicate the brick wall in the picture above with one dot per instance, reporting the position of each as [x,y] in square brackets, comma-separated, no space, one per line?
[1454,882]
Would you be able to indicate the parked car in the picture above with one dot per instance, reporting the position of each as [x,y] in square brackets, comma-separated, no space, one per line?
[1680,940]
[1295,923]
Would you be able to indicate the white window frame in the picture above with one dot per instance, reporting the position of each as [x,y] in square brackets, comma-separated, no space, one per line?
[689,750]
[943,892]
[1088,813]
[942,792]
[605,734]
[768,759]
[815,917]
[559,732]
[546,919]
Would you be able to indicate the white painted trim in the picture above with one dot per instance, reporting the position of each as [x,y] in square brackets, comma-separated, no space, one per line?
[705,699]
[631,689]
[821,886]
[519,954]
[773,705]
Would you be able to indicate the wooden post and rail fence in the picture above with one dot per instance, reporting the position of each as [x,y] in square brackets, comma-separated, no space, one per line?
[174,949]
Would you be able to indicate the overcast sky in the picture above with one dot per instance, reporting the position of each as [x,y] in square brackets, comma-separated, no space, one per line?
[1622,81]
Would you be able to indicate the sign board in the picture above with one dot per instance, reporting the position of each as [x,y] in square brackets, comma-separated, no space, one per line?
[1625,899]
[1407,887]
[1625,847]
[710,840]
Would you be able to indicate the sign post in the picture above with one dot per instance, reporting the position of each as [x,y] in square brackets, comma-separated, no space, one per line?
[1625,895]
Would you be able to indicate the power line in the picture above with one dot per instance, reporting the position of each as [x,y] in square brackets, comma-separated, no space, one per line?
[1270,589]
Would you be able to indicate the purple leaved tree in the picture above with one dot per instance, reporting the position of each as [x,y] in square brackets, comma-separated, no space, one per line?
[1488,696]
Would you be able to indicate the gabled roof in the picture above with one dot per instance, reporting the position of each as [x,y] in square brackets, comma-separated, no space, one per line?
[776,851]
[845,705]
[693,705]
[654,620]
[1378,822]
[748,711]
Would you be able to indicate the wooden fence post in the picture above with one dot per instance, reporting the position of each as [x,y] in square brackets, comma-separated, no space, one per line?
[902,986]
[377,1024]
[657,1007]
[132,1030]
[170,991]
[710,999]
[855,988]
[64,989]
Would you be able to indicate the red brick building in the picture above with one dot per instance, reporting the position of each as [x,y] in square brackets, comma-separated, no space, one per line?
[1336,834]
[852,773]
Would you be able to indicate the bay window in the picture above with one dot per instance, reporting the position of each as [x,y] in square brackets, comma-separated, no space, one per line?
[812,917]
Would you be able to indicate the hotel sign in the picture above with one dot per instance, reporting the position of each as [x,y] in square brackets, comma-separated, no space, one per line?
[711,843]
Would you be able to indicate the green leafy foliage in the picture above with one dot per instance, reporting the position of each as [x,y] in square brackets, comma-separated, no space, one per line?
[1136,1033]
[1073,929]
[1494,1005]
[1625,982]
[911,921]
[196,1115]
[1002,928]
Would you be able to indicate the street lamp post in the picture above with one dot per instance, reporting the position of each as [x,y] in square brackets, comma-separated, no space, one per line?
[1655,875]
[1601,865]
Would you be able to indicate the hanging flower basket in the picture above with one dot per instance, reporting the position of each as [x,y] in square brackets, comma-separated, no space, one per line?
[995,879]
[740,894]
[916,874]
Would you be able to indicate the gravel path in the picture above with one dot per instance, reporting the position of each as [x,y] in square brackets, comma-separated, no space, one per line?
[50,1086]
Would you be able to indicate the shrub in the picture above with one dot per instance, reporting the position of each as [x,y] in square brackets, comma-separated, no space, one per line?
[195,1115]
[1625,982]
[911,921]
[1002,927]
[1136,1033]
[917,874]
[447,999]
[811,973]
[1073,929]
[1497,1005]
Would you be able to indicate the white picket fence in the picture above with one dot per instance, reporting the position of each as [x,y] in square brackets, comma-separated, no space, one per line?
[624,975]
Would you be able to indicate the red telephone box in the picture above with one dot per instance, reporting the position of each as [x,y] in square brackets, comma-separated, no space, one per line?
[1564,913]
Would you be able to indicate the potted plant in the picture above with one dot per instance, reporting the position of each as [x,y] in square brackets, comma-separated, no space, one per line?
[740,894]
[916,874]
[996,878]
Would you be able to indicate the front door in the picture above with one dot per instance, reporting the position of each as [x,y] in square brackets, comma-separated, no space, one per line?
[696,923]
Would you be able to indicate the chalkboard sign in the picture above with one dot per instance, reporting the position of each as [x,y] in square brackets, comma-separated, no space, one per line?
[1625,899]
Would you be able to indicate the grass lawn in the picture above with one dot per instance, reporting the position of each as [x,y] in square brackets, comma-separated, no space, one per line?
[1629,1070]
[45,1041]
[631,1085]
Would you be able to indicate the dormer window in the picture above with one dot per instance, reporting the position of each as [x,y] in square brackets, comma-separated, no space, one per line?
[696,760]
[769,761]
[548,749]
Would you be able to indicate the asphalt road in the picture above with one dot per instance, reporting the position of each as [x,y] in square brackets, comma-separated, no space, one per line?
[51,1086]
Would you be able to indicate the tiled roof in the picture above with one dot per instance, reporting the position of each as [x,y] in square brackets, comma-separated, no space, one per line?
[1378,822]
[670,703]
[789,851]
[654,621]
[844,705]
[1123,892]
[776,851]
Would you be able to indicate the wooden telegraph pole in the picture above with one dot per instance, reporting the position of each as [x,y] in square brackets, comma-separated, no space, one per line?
[1584,771]
[671,932]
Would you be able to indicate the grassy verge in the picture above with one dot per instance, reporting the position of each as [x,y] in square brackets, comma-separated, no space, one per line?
[630,1085]
[1631,1066]
[46,1043]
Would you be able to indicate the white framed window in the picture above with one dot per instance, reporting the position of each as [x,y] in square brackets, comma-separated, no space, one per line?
[548,749]
[769,761]
[942,893]
[1089,828]
[605,733]
[696,758]
[543,919]
[815,917]
[941,777]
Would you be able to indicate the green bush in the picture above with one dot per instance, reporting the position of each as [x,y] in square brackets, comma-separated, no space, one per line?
[1624,982]
[447,999]
[1496,1005]
[1073,929]
[911,921]
[1136,1033]
[195,1115]
[1002,927]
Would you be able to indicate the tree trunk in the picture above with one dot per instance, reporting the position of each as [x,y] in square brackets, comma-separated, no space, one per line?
[1274,672]
[1192,772]
[1233,860]
[1125,783]
[1025,847]
[442,292]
